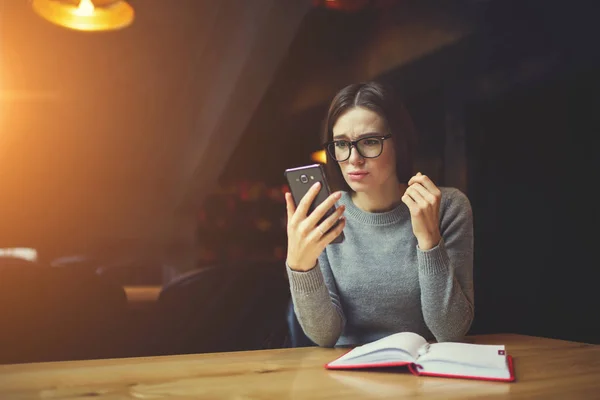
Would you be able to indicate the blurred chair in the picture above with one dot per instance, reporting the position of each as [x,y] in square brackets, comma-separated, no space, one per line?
[222,308]
[55,314]
[186,305]
[261,316]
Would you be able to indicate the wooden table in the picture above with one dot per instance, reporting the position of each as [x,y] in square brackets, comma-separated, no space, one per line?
[545,368]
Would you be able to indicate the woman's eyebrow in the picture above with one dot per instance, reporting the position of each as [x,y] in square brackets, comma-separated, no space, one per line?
[344,136]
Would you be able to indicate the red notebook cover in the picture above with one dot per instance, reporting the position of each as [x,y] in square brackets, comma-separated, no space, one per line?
[413,368]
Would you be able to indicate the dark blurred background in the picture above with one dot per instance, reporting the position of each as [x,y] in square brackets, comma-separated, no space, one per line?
[151,159]
[505,98]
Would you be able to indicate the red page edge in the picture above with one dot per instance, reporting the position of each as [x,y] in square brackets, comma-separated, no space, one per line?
[412,367]
[511,369]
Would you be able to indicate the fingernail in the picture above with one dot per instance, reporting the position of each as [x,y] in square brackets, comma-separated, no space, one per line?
[338,195]
[317,184]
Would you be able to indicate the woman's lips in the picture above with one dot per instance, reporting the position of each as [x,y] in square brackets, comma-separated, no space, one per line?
[357,176]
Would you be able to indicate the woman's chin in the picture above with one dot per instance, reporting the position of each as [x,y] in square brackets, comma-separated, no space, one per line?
[357,187]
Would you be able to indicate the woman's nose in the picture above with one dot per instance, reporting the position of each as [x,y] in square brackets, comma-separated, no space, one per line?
[355,157]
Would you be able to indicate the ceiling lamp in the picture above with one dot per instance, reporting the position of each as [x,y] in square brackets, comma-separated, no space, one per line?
[86,15]
[353,5]
[342,5]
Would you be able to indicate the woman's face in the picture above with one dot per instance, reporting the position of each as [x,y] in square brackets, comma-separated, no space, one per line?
[365,174]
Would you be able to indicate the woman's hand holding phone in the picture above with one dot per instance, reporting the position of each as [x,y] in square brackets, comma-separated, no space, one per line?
[306,238]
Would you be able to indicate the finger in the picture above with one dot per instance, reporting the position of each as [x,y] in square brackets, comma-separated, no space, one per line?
[416,196]
[430,198]
[412,179]
[335,232]
[308,199]
[416,178]
[321,210]
[289,205]
[410,203]
[426,182]
[330,221]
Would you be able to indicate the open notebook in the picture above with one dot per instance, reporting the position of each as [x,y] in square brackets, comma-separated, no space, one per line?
[448,359]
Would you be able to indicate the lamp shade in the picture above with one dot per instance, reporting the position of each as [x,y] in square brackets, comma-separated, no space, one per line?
[86,15]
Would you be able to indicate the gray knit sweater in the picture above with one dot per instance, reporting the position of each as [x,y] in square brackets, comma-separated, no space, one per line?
[378,282]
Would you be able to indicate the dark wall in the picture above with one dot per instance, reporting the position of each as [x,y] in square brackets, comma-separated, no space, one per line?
[533,164]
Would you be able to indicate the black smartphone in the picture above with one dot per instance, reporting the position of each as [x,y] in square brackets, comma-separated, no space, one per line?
[301,179]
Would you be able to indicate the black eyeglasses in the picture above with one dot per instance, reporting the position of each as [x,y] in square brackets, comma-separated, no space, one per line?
[367,147]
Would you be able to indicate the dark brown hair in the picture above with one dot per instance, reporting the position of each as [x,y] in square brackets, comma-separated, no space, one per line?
[379,99]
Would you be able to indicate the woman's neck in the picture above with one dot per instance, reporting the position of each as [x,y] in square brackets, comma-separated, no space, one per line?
[382,200]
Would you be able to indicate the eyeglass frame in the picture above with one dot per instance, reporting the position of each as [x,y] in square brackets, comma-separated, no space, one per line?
[353,144]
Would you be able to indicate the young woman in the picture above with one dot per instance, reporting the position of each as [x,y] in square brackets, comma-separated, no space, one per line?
[407,261]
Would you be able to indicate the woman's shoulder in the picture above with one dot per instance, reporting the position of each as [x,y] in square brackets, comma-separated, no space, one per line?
[451,192]
[456,215]
[454,198]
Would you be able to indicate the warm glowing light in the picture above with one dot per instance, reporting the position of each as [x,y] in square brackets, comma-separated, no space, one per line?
[23,253]
[86,15]
[319,156]
[85,8]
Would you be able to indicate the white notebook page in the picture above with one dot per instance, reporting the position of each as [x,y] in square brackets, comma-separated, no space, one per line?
[407,341]
[480,355]
[446,368]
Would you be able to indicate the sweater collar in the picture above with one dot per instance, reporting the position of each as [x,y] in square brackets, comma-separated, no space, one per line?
[397,214]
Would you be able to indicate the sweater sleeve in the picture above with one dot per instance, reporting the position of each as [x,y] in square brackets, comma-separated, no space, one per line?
[317,303]
[446,272]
